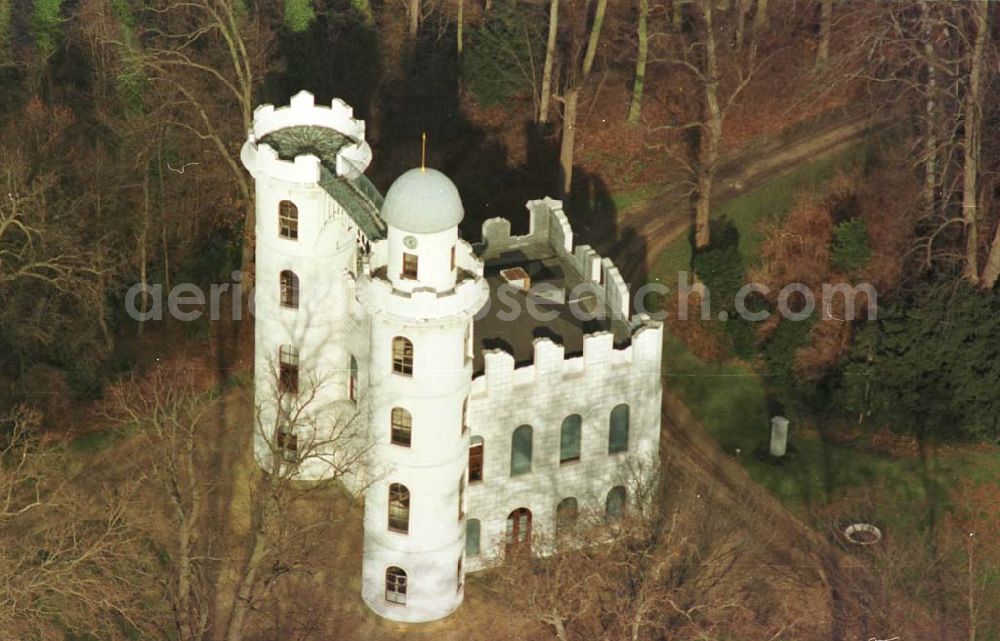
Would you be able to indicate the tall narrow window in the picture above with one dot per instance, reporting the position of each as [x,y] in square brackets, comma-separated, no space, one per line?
[569,439]
[472,527]
[395,585]
[409,266]
[518,536]
[288,220]
[567,513]
[288,369]
[461,497]
[614,506]
[399,508]
[452,258]
[288,445]
[618,432]
[289,289]
[459,575]
[352,381]
[402,427]
[402,356]
[465,415]
[476,459]
[520,451]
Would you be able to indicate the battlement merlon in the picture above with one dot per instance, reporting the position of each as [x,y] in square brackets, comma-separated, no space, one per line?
[351,159]
[600,359]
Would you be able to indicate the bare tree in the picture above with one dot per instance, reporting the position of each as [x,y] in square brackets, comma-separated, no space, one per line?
[167,414]
[642,33]
[719,81]
[294,438]
[69,559]
[550,53]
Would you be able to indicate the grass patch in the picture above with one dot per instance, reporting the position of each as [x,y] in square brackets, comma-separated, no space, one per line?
[624,200]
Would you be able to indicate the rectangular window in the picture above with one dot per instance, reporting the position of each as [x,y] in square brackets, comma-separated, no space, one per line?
[352,384]
[476,462]
[288,369]
[465,416]
[288,445]
[452,258]
[410,266]
[402,426]
[288,220]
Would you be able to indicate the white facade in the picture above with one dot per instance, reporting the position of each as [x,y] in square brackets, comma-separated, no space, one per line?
[363,298]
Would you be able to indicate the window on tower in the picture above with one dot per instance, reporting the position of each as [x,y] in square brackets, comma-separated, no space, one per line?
[352,381]
[399,508]
[614,506]
[461,497]
[402,426]
[288,369]
[409,266]
[472,527]
[288,445]
[395,585]
[476,459]
[402,355]
[289,289]
[288,220]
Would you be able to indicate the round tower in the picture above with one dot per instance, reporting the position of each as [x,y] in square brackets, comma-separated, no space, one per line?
[421,288]
[306,240]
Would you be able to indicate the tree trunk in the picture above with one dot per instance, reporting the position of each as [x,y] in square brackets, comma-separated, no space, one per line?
[760,17]
[970,167]
[930,113]
[550,48]
[364,8]
[460,23]
[640,62]
[991,271]
[742,6]
[413,9]
[711,133]
[825,17]
[595,37]
[568,136]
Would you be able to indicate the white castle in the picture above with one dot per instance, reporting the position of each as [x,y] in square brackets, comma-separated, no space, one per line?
[482,424]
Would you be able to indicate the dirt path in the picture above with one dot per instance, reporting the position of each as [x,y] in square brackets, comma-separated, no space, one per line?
[649,227]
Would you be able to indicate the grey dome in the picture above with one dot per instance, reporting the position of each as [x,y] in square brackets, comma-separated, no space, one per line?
[423,201]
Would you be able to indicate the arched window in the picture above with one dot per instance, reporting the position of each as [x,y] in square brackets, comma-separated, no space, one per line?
[352,381]
[567,513]
[289,289]
[399,508]
[569,439]
[395,585]
[520,451]
[472,528]
[518,535]
[618,432]
[476,451]
[614,506]
[288,220]
[402,427]
[402,355]
[288,369]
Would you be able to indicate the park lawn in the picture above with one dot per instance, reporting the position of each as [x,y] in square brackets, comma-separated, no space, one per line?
[729,400]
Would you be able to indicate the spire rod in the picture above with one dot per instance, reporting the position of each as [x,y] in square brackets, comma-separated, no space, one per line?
[423,152]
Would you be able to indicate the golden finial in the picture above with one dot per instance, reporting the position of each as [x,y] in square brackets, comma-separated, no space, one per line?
[423,152]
